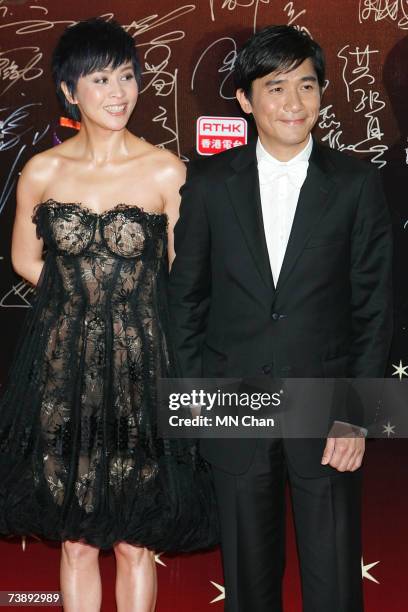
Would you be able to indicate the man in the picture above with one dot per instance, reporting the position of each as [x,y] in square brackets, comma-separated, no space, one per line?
[283,256]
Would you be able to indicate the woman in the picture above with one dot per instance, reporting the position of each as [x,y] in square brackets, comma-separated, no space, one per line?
[80,460]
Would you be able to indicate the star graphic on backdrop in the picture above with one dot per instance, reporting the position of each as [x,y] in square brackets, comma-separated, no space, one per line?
[158,560]
[221,590]
[389,429]
[400,370]
[365,570]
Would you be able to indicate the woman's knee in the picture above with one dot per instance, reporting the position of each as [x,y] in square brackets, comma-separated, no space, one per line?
[79,553]
[132,554]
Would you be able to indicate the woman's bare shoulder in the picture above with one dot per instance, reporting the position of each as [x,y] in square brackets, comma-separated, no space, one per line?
[161,163]
[141,150]
[39,172]
[42,166]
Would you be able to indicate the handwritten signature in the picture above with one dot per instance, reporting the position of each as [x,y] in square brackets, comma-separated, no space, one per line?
[360,91]
[12,72]
[231,5]
[227,64]
[157,72]
[151,22]
[328,121]
[18,296]
[395,10]
[31,26]
[293,17]
[13,129]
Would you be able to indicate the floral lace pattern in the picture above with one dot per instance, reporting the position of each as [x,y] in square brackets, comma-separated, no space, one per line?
[79,413]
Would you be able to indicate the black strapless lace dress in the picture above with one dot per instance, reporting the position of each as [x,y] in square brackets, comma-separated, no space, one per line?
[79,457]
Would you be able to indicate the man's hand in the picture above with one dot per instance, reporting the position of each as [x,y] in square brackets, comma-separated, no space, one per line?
[345,454]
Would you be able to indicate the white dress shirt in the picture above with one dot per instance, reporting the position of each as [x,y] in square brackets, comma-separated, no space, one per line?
[280,184]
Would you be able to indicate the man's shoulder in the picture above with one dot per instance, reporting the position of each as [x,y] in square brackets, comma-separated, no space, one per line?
[343,162]
[218,165]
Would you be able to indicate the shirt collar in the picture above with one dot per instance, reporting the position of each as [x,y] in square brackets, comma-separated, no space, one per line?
[303,155]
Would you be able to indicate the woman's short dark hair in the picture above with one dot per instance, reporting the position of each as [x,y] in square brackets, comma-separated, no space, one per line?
[88,46]
[276,48]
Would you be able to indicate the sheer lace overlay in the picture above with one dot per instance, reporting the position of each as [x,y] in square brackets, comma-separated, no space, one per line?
[79,454]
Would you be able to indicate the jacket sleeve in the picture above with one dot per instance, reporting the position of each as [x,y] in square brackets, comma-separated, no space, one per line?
[371,282]
[190,277]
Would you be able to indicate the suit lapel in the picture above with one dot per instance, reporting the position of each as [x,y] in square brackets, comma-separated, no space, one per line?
[243,187]
[312,203]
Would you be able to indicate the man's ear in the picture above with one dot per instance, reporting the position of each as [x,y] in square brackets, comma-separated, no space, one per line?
[244,103]
[69,96]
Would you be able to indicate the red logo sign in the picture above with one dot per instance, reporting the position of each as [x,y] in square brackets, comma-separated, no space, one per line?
[216,134]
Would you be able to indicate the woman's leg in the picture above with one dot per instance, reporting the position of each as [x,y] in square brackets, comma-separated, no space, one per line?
[136,581]
[80,578]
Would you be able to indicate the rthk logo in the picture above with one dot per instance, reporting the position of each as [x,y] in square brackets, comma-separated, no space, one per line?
[216,134]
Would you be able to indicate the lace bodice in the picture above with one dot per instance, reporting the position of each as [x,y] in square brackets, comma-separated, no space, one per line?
[104,259]
[123,230]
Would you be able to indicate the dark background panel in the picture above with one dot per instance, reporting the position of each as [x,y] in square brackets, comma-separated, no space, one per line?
[187,51]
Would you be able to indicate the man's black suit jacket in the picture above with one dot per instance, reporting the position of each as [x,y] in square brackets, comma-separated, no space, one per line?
[330,313]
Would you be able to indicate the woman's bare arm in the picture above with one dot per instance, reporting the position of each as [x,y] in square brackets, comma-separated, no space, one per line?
[175,176]
[26,248]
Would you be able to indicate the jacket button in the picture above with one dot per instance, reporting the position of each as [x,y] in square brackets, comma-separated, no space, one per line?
[266,369]
[275,316]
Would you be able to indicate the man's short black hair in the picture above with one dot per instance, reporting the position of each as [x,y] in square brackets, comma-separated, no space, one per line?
[88,46]
[276,48]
